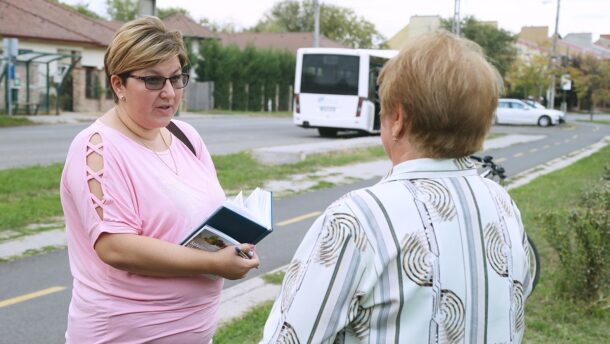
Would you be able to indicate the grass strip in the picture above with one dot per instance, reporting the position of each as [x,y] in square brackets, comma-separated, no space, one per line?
[241,171]
[549,318]
[245,330]
[274,278]
[596,121]
[28,195]
[10,121]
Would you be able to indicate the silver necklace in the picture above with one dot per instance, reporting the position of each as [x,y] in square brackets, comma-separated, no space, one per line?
[141,140]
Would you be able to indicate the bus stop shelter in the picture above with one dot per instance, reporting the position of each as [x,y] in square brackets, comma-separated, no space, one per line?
[30,59]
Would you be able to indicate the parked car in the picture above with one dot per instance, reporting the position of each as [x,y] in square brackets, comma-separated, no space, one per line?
[535,104]
[515,111]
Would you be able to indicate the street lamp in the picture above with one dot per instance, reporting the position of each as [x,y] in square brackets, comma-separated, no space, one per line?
[456,18]
[316,24]
[551,101]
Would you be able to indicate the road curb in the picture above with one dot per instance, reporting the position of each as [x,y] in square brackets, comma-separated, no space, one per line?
[237,300]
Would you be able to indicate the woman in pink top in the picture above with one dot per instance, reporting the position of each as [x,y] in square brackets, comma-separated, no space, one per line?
[131,191]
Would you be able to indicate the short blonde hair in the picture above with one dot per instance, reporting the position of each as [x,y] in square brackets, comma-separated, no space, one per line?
[142,43]
[448,92]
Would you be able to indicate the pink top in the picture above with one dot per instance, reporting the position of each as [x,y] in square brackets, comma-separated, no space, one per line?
[142,196]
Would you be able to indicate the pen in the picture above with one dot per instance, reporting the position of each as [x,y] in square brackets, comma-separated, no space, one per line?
[242,253]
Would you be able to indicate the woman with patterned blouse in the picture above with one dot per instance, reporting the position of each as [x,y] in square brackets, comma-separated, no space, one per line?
[433,253]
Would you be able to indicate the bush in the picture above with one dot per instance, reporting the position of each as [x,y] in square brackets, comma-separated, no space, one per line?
[581,238]
[246,79]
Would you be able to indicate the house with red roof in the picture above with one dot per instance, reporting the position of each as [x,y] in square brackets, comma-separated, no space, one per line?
[52,38]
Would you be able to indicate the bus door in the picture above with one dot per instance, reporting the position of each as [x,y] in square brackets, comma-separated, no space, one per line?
[375,66]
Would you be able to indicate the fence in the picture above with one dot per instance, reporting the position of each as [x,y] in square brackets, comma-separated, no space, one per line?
[199,96]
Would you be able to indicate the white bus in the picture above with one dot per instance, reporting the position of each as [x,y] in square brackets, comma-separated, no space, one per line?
[336,89]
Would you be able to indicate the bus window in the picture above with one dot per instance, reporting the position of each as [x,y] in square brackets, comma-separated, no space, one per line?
[330,74]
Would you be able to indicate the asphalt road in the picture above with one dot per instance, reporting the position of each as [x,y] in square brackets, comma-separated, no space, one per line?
[45,144]
[43,319]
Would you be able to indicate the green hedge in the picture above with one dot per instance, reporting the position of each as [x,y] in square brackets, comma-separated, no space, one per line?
[246,79]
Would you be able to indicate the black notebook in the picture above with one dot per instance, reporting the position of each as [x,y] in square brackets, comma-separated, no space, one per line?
[236,221]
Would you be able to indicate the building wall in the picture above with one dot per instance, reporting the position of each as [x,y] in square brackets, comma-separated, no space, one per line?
[536,34]
[418,25]
[93,58]
[80,101]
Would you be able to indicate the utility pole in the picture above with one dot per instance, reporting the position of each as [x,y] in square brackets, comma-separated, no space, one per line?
[316,24]
[551,101]
[147,8]
[456,18]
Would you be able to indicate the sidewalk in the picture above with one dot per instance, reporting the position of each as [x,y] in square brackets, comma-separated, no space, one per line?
[240,298]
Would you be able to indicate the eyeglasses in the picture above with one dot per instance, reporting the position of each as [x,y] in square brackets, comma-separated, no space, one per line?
[155,83]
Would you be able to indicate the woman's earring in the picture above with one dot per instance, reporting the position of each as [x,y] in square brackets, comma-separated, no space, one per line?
[123,98]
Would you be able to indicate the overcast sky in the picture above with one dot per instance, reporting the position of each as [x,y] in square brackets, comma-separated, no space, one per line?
[390,16]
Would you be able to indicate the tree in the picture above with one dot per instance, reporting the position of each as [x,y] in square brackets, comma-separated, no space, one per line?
[591,77]
[527,78]
[164,13]
[228,27]
[122,10]
[246,79]
[337,23]
[497,44]
[82,8]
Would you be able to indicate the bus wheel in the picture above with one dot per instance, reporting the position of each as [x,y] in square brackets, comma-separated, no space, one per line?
[328,132]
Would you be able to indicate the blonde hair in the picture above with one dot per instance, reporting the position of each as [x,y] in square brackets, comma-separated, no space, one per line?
[448,92]
[139,44]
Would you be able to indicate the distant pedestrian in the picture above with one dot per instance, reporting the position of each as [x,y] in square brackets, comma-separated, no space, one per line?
[131,191]
[433,253]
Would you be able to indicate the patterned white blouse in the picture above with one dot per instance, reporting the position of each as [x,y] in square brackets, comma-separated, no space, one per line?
[433,253]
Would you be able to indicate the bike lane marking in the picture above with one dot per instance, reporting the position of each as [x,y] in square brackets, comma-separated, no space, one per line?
[298,218]
[44,292]
[30,296]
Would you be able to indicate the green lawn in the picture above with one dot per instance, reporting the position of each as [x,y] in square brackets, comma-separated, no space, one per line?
[10,121]
[549,318]
[28,196]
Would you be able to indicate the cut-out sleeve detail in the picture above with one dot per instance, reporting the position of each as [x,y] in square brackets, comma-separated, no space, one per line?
[95,172]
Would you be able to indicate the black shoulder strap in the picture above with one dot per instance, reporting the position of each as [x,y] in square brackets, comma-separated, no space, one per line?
[173,128]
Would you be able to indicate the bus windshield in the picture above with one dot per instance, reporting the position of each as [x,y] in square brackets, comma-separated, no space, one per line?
[330,74]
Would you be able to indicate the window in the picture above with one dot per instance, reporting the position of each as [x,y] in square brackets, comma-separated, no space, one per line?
[330,74]
[375,65]
[92,83]
[109,92]
[516,105]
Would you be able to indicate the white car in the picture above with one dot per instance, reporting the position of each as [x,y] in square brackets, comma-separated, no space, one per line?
[535,104]
[515,111]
